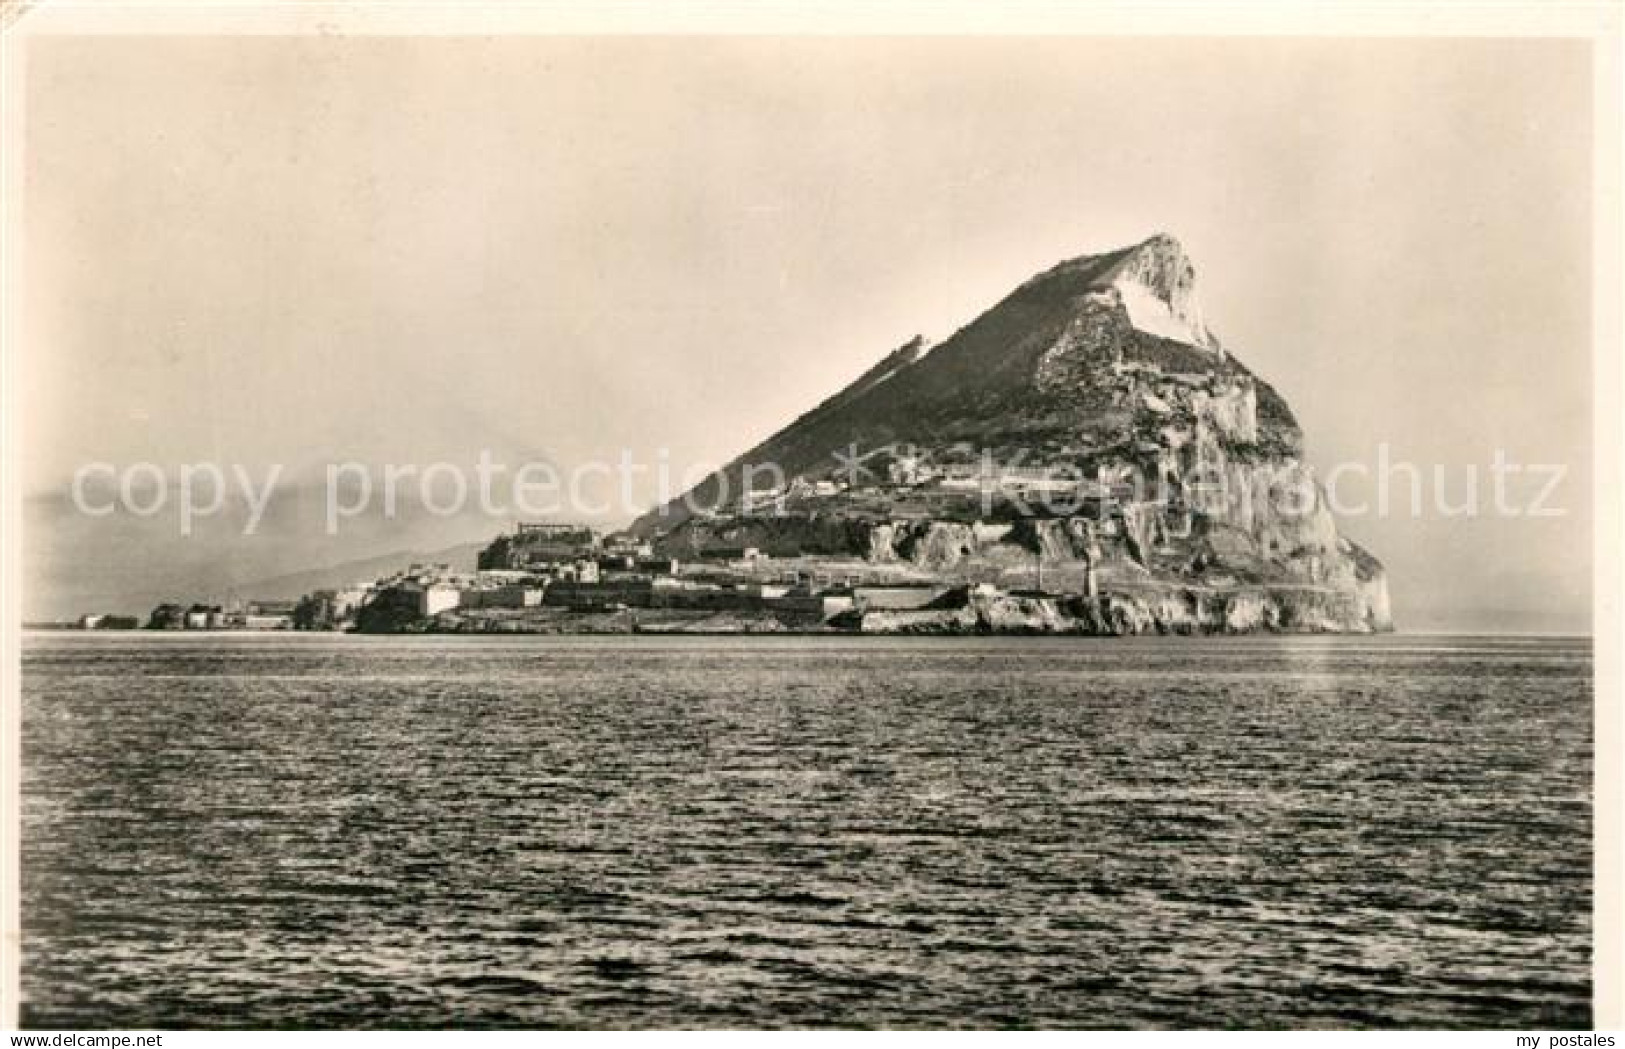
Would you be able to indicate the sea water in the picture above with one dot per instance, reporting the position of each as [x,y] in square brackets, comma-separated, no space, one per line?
[275,831]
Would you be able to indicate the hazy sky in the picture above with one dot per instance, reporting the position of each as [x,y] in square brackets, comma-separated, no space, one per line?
[308,250]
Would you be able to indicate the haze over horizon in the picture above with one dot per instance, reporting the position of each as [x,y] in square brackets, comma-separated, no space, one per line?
[302,251]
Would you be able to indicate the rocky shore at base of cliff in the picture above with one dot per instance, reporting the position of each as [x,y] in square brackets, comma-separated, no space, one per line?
[962,611]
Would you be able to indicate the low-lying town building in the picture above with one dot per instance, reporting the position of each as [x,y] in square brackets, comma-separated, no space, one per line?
[817,552]
[254,615]
[331,609]
[812,551]
[552,569]
[106,621]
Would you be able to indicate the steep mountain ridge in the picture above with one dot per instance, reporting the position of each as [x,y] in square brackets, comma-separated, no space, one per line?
[1185,472]
[1002,381]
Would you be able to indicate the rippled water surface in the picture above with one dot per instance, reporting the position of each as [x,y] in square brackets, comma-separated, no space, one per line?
[603,832]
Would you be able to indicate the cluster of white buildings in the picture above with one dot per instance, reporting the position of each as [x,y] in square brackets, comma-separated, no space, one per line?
[253,615]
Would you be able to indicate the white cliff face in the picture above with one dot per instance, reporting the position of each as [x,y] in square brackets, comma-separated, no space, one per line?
[1152,315]
[1158,287]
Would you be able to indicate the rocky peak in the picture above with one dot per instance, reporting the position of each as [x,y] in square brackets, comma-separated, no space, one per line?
[1157,283]
[1186,473]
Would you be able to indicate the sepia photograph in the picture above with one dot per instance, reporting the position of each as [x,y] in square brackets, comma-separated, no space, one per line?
[521,522]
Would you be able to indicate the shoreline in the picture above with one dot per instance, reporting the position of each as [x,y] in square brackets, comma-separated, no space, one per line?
[1397,636]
